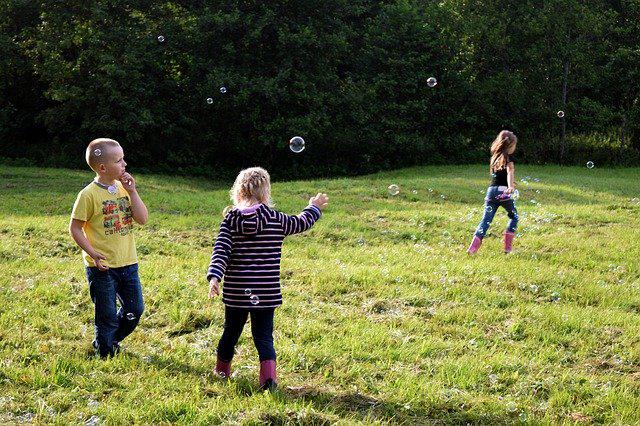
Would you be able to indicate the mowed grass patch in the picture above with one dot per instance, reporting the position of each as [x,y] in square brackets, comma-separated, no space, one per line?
[385,318]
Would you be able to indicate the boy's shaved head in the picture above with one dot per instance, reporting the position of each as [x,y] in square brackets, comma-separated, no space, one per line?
[99,150]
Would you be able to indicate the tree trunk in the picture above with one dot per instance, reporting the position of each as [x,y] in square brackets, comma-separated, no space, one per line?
[565,77]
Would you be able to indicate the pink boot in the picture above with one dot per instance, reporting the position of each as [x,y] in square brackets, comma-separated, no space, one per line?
[268,379]
[475,245]
[508,241]
[223,368]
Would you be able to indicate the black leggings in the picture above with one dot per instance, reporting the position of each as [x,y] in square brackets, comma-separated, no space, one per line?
[261,329]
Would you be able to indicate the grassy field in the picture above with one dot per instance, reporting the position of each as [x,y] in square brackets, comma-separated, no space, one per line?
[385,319]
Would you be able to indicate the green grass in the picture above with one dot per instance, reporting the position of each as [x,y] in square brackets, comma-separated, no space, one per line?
[385,319]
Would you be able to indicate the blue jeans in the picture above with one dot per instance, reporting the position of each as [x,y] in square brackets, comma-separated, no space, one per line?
[491,204]
[112,324]
[261,329]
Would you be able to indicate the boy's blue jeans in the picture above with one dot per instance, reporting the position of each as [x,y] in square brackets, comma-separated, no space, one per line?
[491,204]
[261,329]
[112,324]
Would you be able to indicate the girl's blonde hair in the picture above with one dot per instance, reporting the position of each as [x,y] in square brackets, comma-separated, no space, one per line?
[252,185]
[500,150]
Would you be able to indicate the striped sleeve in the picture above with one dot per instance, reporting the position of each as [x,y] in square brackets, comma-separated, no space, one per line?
[221,252]
[300,223]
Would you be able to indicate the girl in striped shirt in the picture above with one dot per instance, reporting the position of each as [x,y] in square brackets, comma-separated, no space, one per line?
[247,255]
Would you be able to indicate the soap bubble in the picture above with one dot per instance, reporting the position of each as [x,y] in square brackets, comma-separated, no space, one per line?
[393,189]
[590,165]
[493,379]
[431,82]
[296,144]
[247,292]
[254,300]
[97,152]
[488,209]
[223,90]
[161,39]
[560,114]
[209,101]
[131,316]
[511,407]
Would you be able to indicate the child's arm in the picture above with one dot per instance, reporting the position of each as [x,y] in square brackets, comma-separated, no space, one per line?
[306,219]
[511,178]
[75,229]
[138,209]
[219,258]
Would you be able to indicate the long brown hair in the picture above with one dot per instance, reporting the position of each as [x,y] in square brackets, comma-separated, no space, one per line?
[500,150]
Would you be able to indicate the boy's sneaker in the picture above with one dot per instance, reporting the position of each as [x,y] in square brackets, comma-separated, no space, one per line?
[115,349]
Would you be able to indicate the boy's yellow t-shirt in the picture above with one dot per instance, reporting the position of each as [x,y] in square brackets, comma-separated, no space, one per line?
[108,224]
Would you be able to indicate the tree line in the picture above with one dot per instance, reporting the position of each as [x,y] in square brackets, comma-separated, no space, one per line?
[350,77]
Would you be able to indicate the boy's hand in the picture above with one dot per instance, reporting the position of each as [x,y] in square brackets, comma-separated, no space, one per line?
[98,258]
[214,288]
[509,190]
[128,182]
[320,201]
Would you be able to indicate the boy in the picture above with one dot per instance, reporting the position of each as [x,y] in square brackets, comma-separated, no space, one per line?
[101,224]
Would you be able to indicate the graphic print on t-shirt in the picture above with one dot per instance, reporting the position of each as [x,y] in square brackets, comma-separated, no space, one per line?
[117,217]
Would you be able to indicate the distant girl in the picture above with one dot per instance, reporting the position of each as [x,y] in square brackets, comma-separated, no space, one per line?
[500,191]
[247,254]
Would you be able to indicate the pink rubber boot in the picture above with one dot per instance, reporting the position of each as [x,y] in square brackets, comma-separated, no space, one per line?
[223,368]
[475,245]
[268,378]
[508,241]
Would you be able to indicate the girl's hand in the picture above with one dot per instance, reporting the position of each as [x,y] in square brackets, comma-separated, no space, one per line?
[214,288]
[128,182]
[320,201]
[509,190]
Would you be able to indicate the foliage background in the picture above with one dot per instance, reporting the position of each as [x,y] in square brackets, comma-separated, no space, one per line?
[348,76]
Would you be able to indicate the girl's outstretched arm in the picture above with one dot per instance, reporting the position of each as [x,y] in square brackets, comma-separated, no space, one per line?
[306,219]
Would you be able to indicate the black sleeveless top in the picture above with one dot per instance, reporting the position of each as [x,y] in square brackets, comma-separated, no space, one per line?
[499,177]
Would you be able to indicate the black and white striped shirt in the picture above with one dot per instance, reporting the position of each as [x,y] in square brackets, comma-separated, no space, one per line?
[247,254]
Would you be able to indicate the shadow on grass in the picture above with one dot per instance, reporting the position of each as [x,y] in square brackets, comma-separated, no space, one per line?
[365,408]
